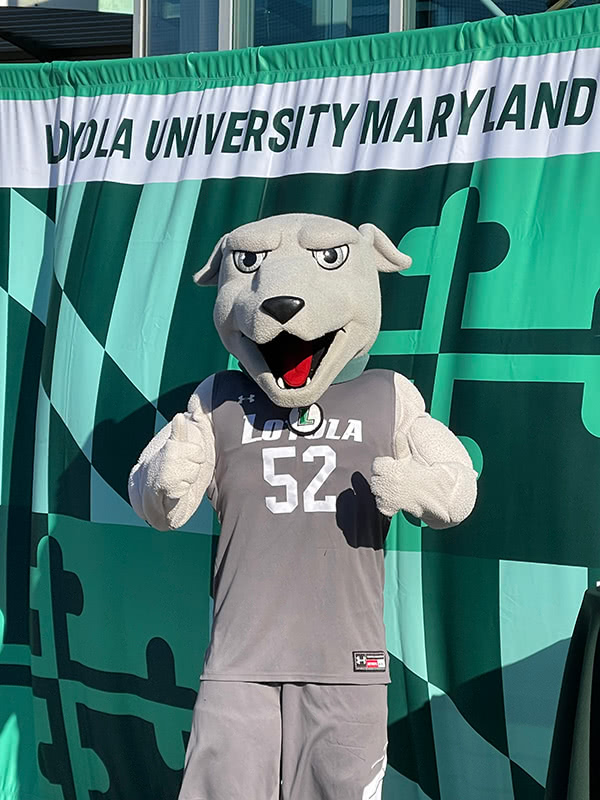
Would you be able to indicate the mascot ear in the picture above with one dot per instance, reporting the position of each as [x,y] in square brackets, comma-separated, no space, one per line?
[387,256]
[209,274]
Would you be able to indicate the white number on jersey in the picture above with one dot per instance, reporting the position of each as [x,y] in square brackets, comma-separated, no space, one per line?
[269,454]
[328,455]
[309,500]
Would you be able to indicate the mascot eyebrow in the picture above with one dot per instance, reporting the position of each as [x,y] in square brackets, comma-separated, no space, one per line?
[247,240]
[320,237]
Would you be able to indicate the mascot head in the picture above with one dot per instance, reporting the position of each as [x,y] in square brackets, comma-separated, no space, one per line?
[298,299]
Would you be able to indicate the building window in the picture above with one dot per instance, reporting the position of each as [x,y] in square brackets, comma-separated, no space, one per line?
[182,26]
[431,13]
[272,22]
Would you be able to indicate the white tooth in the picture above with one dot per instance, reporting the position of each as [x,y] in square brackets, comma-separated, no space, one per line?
[307,381]
[280,383]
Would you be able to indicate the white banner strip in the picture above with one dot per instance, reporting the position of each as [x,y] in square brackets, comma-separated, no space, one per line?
[525,107]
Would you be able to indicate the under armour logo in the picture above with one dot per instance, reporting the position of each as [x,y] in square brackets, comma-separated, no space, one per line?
[369,661]
[249,398]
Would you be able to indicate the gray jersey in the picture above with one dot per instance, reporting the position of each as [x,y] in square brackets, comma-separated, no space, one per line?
[298,580]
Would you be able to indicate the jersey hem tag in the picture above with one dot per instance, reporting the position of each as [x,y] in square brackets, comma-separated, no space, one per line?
[369,660]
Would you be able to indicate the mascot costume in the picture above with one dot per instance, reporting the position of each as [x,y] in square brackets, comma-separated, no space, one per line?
[305,456]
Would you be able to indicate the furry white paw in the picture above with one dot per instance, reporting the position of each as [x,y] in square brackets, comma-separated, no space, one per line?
[442,494]
[390,485]
[178,464]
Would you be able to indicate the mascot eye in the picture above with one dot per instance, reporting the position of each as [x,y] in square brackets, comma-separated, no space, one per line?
[332,258]
[246,261]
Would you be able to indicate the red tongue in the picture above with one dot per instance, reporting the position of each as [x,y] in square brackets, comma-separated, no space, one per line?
[296,366]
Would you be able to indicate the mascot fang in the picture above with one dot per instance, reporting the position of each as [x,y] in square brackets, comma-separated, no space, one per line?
[305,457]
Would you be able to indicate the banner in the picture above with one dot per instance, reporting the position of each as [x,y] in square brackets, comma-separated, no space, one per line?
[476,148]
[495,109]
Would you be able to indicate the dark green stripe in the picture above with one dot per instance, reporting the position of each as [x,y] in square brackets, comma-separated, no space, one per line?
[462,636]
[24,353]
[68,472]
[4,236]
[410,729]
[98,251]
[50,337]
[124,424]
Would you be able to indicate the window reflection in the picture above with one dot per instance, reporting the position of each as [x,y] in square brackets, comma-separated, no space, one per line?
[273,22]
[182,26]
[430,13]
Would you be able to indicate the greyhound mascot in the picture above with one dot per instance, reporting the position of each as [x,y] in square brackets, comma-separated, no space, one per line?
[305,457]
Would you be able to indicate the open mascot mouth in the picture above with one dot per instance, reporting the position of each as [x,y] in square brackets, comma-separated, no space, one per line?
[293,361]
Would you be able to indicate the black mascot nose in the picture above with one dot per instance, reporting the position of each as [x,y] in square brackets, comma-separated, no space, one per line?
[282,308]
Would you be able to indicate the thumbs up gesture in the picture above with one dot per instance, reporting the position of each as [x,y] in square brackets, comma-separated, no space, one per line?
[177,466]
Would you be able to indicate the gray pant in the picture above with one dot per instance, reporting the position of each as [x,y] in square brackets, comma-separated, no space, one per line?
[256,741]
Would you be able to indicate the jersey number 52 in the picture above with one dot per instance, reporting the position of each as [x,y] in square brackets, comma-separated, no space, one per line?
[309,500]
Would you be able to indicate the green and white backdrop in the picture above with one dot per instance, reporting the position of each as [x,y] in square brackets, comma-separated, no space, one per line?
[476,149]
